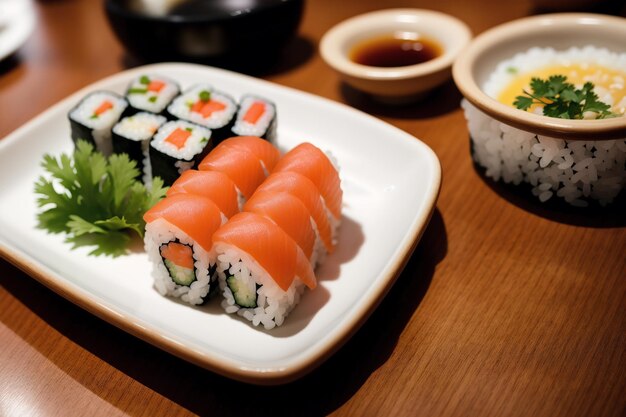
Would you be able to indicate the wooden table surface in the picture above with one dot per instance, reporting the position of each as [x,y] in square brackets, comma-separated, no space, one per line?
[505,308]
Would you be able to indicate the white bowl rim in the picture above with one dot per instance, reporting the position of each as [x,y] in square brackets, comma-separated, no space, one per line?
[330,45]
[604,129]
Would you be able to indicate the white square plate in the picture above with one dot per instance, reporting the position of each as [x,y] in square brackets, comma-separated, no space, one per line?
[390,180]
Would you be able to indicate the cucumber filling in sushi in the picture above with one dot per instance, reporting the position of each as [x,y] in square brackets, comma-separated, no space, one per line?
[178,259]
[244,290]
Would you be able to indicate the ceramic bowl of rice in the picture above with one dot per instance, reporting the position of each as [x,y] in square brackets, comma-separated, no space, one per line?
[570,143]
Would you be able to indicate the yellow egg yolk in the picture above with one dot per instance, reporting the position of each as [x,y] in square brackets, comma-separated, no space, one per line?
[606,81]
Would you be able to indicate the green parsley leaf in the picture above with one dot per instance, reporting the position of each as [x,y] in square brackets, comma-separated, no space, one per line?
[97,202]
[540,87]
[562,100]
[523,102]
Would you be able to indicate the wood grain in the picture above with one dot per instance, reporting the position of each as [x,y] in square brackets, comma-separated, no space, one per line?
[507,307]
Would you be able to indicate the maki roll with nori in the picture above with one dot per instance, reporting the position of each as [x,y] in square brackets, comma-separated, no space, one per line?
[93,118]
[151,93]
[132,136]
[207,107]
[177,147]
[178,236]
[256,117]
[261,270]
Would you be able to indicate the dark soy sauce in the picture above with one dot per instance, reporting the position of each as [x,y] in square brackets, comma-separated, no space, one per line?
[395,51]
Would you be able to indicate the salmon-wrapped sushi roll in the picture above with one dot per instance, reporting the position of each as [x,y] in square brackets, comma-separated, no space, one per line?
[242,167]
[310,161]
[178,240]
[267,153]
[302,188]
[290,214]
[261,269]
[213,185]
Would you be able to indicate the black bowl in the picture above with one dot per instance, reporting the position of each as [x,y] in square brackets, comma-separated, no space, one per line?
[206,30]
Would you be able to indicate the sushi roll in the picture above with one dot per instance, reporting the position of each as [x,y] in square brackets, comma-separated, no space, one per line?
[132,136]
[178,240]
[267,153]
[93,118]
[309,161]
[242,167]
[151,93]
[177,147]
[210,184]
[207,107]
[261,270]
[256,117]
[302,188]
[288,212]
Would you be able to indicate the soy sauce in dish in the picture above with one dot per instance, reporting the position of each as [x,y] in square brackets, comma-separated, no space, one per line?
[395,50]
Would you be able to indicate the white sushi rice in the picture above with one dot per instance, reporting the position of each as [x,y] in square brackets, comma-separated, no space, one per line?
[576,171]
[243,128]
[159,232]
[273,304]
[141,127]
[193,146]
[101,125]
[151,101]
[181,107]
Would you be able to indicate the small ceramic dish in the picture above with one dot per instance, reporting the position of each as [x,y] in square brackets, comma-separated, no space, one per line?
[558,31]
[578,160]
[404,82]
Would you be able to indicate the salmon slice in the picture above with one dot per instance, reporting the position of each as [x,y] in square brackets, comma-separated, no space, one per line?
[178,137]
[207,107]
[254,113]
[243,168]
[310,161]
[289,213]
[301,187]
[179,254]
[155,86]
[197,217]
[103,107]
[269,246]
[214,185]
[261,148]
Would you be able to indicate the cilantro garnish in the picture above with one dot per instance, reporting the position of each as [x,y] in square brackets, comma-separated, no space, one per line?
[562,99]
[96,201]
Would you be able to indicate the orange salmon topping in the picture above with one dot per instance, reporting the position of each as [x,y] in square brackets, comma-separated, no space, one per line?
[179,254]
[206,108]
[106,105]
[156,86]
[254,113]
[178,137]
